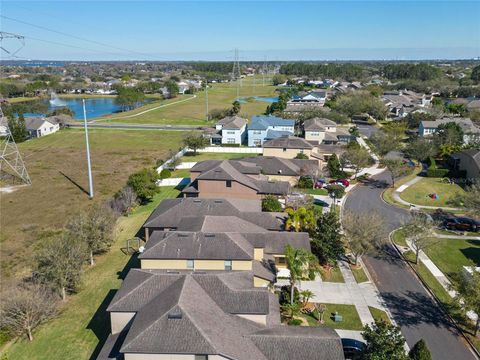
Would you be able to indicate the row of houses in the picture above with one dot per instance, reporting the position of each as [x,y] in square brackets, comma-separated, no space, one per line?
[471,132]
[202,288]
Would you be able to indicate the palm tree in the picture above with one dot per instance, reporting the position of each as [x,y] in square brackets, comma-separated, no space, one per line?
[291,310]
[299,262]
[300,220]
[306,295]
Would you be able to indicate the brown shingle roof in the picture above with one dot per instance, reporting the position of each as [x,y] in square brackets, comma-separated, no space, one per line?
[288,142]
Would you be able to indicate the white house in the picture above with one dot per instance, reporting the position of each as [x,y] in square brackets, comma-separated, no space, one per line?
[231,130]
[471,133]
[38,127]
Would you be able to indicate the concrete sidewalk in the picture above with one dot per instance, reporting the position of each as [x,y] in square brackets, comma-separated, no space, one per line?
[349,293]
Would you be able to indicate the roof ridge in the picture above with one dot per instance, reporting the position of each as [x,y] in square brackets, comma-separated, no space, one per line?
[140,284]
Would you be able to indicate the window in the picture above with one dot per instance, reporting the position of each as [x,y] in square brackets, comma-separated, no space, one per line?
[201,357]
[230,141]
[228,265]
[284,149]
[256,132]
[281,260]
[257,142]
[314,133]
[228,183]
[190,264]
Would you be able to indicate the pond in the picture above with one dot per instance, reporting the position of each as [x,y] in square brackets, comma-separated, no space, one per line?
[95,107]
[259,98]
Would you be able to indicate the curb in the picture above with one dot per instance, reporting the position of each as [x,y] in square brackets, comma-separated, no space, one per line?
[434,297]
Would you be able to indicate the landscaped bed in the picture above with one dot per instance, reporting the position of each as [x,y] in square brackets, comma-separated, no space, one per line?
[350,321]
[419,192]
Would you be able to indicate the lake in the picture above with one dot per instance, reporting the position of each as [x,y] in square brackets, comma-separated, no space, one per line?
[260,98]
[94,107]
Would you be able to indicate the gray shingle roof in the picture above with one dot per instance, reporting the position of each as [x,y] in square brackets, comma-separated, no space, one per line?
[225,171]
[34,123]
[197,245]
[271,165]
[288,142]
[318,124]
[233,122]
[217,224]
[274,242]
[296,342]
[170,211]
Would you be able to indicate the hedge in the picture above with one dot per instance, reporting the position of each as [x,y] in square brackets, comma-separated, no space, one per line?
[437,173]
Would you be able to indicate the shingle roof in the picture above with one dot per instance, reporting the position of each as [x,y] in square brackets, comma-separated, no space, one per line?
[275,242]
[273,134]
[197,245]
[296,342]
[271,165]
[232,122]
[316,124]
[263,122]
[288,142]
[225,171]
[33,123]
[217,224]
[170,211]
[465,123]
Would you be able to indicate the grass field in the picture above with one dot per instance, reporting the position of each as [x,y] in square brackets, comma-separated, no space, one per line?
[83,325]
[379,315]
[351,320]
[418,192]
[192,112]
[314,191]
[450,255]
[359,273]
[189,157]
[57,166]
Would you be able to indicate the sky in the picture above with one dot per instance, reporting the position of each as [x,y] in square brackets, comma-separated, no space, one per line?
[210,30]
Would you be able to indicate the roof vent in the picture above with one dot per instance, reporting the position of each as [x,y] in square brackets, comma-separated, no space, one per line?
[199,273]
[210,235]
[173,272]
[218,201]
[197,201]
[182,235]
[175,314]
[218,170]
[279,171]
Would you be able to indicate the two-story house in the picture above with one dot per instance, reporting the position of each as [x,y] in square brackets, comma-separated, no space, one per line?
[471,133]
[230,130]
[263,128]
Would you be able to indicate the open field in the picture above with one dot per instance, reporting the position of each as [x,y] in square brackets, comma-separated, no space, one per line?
[189,157]
[418,192]
[83,325]
[57,166]
[192,112]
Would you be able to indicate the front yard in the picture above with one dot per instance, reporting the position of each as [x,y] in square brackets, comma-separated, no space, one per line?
[351,320]
[419,192]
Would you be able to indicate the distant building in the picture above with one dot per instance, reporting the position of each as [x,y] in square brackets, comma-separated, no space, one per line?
[38,127]
[471,133]
[263,128]
[312,99]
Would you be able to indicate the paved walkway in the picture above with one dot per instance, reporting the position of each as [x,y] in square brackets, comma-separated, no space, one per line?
[349,293]
[459,237]
[400,189]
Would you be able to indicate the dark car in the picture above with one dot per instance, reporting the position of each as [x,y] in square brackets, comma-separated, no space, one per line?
[353,349]
[461,224]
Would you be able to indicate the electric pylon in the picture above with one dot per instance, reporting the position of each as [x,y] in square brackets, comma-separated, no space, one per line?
[11,162]
[236,72]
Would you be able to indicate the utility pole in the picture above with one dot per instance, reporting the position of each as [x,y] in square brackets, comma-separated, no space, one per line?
[206,99]
[236,73]
[264,69]
[90,180]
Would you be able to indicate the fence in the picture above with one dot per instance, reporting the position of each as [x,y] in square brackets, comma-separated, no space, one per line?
[173,182]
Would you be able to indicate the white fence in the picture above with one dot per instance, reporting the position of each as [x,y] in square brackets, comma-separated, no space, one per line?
[239,150]
[173,181]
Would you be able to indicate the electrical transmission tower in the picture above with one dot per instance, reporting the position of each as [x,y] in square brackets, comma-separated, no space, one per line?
[236,73]
[12,166]
[264,69]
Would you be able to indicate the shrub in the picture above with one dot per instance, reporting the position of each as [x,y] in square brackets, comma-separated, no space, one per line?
[305,182]
[144,183]
[437,173]
[338,190]
[284,295]
[301,156]
[271,204]
[295,322]
[165,174]
[420,351]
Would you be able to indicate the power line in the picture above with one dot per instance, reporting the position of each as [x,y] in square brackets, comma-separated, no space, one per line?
[74,36]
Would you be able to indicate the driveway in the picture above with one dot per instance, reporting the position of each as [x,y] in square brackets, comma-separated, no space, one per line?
[410,304]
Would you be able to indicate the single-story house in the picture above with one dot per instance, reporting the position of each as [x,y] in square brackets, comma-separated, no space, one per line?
[38,127]
[263,128]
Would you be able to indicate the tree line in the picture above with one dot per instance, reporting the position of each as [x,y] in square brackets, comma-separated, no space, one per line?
[421,72]
[347,72]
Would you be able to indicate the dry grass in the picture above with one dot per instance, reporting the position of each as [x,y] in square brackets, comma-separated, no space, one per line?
[57,166]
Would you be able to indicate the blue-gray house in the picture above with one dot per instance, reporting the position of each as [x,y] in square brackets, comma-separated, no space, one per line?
[268,127]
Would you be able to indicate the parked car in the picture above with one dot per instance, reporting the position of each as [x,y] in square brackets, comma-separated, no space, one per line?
[461,224]
[320,183]
[343,182]
[353,349]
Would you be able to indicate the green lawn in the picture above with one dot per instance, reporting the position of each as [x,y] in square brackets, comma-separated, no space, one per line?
[332,275]
[189,157]
[418,192]
[181,173]
[83,324]
[359,273]
[192,112]
[387,195]
[450,255]
[379,315]
[313,191]
[351,320]
[399,238]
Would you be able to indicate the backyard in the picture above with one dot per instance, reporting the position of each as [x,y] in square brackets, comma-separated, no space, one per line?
[419,192]
[83,325]
[57,167]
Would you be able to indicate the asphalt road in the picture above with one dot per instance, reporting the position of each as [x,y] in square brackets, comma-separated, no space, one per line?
[367,130]
[411,306]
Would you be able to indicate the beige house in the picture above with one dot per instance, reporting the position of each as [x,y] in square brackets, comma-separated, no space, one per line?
[316,129]
[159,315]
